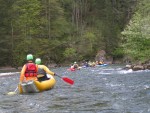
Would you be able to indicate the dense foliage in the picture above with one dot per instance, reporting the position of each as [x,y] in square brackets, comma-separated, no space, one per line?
[71,30]
[136,36]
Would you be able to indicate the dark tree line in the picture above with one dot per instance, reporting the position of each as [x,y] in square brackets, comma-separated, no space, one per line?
[62,30]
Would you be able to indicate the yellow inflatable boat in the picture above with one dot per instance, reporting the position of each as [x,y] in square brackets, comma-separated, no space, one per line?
[36,86]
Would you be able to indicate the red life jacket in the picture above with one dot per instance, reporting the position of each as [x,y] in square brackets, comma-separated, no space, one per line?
[31,70]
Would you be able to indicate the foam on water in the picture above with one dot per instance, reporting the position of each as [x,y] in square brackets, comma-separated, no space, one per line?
[125,71]
[9,73]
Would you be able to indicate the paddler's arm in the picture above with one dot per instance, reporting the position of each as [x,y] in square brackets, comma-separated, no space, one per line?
[48,71]
[22,73]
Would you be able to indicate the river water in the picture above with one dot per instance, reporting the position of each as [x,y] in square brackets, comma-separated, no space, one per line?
[107,89]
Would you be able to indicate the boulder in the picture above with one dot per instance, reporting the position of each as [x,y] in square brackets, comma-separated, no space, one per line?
[138,67]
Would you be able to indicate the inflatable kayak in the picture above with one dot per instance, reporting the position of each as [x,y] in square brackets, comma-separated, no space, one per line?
[102,65]
[36,86]
[71,69]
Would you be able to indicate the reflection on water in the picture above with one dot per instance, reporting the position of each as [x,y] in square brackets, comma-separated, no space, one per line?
[106,89]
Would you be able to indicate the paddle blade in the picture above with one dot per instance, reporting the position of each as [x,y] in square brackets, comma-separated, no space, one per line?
[14,92]
[68,80]
[11,93]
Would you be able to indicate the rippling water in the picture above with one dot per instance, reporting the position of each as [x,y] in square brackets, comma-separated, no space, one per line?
[106,89]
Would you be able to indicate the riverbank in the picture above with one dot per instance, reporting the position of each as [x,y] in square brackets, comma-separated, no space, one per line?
[136,67]
[9,71]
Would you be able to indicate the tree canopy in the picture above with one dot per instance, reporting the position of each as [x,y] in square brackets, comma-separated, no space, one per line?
[73,30]
[136,35]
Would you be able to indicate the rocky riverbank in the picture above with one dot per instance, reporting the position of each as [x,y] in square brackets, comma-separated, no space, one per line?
[140,66]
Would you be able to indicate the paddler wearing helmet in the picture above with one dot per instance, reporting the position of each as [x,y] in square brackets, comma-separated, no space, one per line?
[43,71]
[75,65]
[29,70]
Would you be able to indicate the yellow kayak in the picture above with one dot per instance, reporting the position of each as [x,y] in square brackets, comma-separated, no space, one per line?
[36,86]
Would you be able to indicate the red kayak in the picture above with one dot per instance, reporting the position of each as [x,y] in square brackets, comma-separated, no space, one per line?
[71,69]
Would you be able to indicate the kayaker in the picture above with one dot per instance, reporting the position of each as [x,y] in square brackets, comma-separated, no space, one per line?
[29,70]
[71,68]
[75,65]
[101,62]
[43,71]
[85,64]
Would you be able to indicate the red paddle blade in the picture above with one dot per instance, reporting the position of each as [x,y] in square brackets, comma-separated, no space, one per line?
[68,80]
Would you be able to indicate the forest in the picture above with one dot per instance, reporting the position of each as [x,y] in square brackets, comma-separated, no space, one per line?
[61,31]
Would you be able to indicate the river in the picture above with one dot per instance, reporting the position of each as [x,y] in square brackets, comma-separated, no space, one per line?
[107,89]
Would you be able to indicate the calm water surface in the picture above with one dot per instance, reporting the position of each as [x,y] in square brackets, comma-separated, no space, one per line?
[106,89]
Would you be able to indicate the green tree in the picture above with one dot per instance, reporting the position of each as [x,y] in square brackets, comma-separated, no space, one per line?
[136,36]
[51,29]
[6,41]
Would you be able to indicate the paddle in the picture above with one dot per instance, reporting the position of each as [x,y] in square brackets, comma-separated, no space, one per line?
[14,92]
[68,80]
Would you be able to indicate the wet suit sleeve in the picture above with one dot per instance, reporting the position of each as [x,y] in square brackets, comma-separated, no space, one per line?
[48,71]
[22,73]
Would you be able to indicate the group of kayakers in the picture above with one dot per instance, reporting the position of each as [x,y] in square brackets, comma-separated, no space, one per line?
[34,71]
[75,65]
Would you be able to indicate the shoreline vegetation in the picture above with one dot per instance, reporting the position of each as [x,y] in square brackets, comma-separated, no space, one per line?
[74,30]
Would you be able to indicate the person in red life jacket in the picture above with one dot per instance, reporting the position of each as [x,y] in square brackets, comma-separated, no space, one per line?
[43,71]
[29,70]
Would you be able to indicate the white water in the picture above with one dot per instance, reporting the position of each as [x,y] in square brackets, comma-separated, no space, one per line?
[106,89]
[8,73]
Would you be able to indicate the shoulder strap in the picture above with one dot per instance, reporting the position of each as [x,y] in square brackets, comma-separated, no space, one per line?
[26,66]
